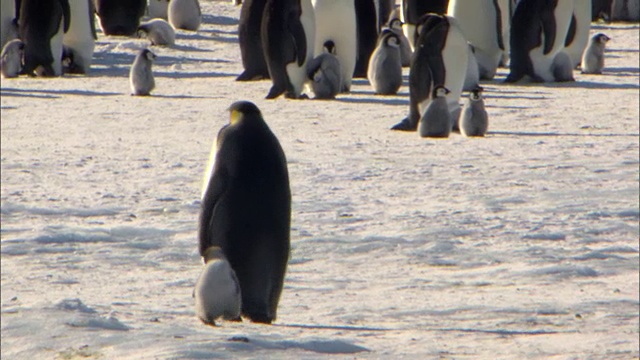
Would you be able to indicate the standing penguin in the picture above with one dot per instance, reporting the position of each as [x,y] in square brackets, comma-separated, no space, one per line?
[158,31]
[325,74]
[336,21]
[158,9]
[436,120]
[11,56]
[593,57]
[474,120]
[42,26]
[217,291]
[395,25]
[367,34]
[625,10]
[413,10]
[79,41]
[7,16]
[578,33]
[385,65]
[287,34]
[185,14]
[253,58]
[141,74]
[246,209]
[120,17]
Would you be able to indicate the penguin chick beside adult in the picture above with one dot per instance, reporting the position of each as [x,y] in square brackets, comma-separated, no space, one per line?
[474,120]
[436,120]
[158,31]
[217,291]
[141,74]
[385,65]
[12,54]
[395,25]
[324,73]
[593,57]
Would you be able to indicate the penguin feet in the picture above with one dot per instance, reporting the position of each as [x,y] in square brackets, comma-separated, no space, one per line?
[405,125]
[247,76]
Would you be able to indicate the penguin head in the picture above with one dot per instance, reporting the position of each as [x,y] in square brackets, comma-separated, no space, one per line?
[329,47]
[440,91]
[395,23]
[601,38]
[241,109]
[476,93]
[147,54]
[391,39]
[142,31]
[213,253]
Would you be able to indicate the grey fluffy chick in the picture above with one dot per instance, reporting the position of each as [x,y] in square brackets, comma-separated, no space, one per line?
[141,75]
[436,120]
[593,56]
[12,54]
[385,66]
[395,25]
[474,120]
[158,32]
[324,73]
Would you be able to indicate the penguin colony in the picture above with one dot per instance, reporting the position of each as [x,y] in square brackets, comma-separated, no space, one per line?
[449,47]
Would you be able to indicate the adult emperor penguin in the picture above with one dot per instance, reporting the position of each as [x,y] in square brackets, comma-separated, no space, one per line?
[158,9]
[141,74]
[593,57]
[217,292]
[81,37]
[413,10]
[158,32]
[578,33]
[185,14]
[253,60]
[325,74]
[42,25]
[120,17]
[440,58]
[385,65]
[436,120]
[538,34]
[625,10]
[287,34]
[474,120]
[395,25]
[472,77]
[7,16]
[481,24]
[336,21]
[11,63]
[367,34]
[246,209]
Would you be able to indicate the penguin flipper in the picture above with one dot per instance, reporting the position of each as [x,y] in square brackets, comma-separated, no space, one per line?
[66,14]
[215,189]
[498,24]
[92,22]
[296,30]
[549,29]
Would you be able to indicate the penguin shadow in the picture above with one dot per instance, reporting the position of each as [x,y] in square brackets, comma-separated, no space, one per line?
[177,74]
[185,48]
[609,27]
[622,71]
[53,93]
[208,35]
[374,99]
[614,50]
[331,327]
[155,95]
[219,20]
[591,85]
[554,134]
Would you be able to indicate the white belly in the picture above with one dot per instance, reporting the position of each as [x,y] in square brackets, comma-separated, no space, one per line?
[79,37]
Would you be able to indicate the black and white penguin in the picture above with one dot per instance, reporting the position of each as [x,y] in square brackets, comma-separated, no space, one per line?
[42,26]
[413,10]
[384,9]
[385,65]
[593,57]
[120,17]
[325,74]
[287,34]
[481,24]
[246,209]
[11,58]
[578,33]
[601,9]
[436,120]
[79,41]
[7,16]
[625,10]
[158,31]
[472,77]
[158,9]
[184,14]
[253,59]
[336,21]
[395,25]
[440,58]
[538,34]
[141,75]
[367,34]
[474,120]
[217,291]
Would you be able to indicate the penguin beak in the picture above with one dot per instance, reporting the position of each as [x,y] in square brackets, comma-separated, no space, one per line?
[235,116]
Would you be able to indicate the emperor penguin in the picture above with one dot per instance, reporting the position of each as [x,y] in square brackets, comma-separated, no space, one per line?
[217,291]
[120,17]
[481,24]
[472,77]
[250,40]
[625,10]
[158,32]
[593,57]
[436,120]
[367,34]
[578,33]
[336,21]
[11,63]
[158,9]
[7,16]
[440,58]
[474,120]
[413,10]
[81,37]
[385,65]
[325,74]
[288,29]
[185,14]
[246,209]
[395,25]
[141,74]
[538,34]
[42,26]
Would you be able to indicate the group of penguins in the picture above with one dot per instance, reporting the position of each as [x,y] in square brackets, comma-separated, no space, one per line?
[245,216]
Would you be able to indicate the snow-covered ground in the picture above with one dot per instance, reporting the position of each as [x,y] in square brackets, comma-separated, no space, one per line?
[523,244]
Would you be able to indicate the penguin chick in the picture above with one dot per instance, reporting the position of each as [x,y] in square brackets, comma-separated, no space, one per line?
[325,73]
[385,65]
[474,120]
[593,57]
[395,25]
[141,75]
[217,291]
[436,120]
[158,31]
[12,55]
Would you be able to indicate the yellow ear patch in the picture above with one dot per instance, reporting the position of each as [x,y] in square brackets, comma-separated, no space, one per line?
[235,116]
